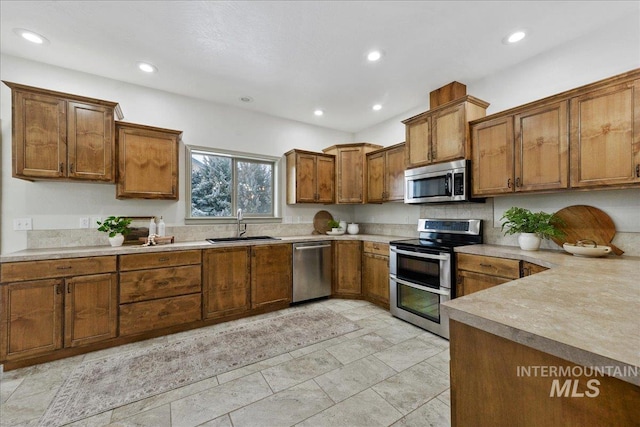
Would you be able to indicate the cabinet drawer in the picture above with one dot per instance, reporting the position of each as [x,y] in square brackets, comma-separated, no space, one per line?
[32,270]
[161,313]
[376,248]
[509,268]
[159,259]
[160,283]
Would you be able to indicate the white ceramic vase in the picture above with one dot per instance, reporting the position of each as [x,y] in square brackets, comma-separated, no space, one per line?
[353,228]
[116,240]
[529,241]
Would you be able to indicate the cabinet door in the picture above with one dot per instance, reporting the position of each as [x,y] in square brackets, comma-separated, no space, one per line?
[325,179]
[375,277]
[542,148]
[529,268]
[39,136]
[394,176]
[31,319]
[418,136]
[449,134]
[305,178]
[227,281]
[91,309]
[148,163]
[469,282]
[375,175]
[347,261]
[91,142]
[350,175]
[605,136]
[271,274]
[492,154]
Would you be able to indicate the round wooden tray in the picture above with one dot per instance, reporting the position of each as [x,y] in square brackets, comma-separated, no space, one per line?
[321,222]
[586,222]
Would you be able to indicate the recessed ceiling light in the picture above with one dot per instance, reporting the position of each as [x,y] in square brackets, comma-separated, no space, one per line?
[374,55]
[246,99]
[515,37]
[377,107]
[147,68]
[30,36]
[318,112]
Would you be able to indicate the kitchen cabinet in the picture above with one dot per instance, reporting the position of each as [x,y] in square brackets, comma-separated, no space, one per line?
[226,281]
[271,274]
[375,273]
[310,177]
[521,152]
[351,170]
[528,268]
[50,305]
[347,262]
[147,162]
[605,136]
[159,290]
[385,172]
[60,136]
[477,272]
[442,134]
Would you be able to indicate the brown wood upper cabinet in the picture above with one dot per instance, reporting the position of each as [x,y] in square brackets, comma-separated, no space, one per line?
[525,151]
[310,177]
[605,136]
[61,136]
[48,305]
[147,162]
[442,134]
[385,172]
[351,170]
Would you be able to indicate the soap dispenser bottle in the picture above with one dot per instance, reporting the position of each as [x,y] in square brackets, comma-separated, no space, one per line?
[161,227]
[152,226]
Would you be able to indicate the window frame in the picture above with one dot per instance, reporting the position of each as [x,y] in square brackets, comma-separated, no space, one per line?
[235,156]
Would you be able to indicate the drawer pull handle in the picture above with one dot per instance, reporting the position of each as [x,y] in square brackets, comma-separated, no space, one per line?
[163,283]
[486,265]
[163,259]
[61,267]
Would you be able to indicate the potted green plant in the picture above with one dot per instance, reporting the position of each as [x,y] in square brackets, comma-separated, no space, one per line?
[117,227]
[531,226]
[335,226]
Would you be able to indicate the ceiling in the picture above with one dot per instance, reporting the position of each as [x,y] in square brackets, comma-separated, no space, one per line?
[293,57]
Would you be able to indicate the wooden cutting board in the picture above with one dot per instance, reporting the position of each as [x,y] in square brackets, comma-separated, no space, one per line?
[586,222]
[321,222]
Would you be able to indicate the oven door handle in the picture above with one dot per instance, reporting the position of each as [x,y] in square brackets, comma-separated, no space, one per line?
[420,254]
[421,288]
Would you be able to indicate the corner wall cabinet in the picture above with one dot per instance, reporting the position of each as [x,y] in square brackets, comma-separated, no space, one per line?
[351,170]
[442,134]
[310,177]
[49,305]
[385,172]
[60,136]
[526,149]
[147,162]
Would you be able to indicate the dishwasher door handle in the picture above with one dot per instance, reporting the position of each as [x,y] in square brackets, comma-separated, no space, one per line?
[304,248]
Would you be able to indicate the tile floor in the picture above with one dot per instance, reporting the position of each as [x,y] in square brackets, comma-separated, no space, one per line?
[388,373]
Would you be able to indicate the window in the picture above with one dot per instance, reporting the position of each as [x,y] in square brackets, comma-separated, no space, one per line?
[221,182]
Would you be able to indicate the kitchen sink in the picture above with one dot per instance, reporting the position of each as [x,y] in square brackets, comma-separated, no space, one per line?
[240,239]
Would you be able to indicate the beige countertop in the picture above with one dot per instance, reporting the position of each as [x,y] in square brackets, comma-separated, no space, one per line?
[584,310]
[89,251]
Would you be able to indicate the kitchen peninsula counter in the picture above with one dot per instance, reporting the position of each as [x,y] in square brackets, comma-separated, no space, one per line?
[583,310]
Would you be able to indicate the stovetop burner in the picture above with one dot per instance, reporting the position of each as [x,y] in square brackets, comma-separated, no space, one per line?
[445,234]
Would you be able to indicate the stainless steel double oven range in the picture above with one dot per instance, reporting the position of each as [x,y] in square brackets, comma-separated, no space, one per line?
[422,271]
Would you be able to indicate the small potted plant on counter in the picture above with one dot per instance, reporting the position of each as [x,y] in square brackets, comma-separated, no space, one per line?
[117,227]
[531,226]
[335,227]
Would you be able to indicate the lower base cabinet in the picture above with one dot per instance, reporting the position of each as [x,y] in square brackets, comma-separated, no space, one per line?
[375,273]
[226,281]
[271,274]
[161,313]
[477,272]
[347,273]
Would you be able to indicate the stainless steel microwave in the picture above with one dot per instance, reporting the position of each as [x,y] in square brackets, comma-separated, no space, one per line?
[439,183]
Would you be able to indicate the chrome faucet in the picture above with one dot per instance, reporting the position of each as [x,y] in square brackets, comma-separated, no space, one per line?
[243,229]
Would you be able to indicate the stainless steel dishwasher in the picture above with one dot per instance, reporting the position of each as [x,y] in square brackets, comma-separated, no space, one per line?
[311,270]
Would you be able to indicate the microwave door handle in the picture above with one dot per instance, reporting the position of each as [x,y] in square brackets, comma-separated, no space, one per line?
[420,254]
[448,184]
[421,288]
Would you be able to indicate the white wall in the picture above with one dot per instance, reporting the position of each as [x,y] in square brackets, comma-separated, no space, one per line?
[59,205]
[611,50]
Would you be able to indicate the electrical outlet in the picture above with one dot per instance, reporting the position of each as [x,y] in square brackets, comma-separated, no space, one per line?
[22,224]
[84,222]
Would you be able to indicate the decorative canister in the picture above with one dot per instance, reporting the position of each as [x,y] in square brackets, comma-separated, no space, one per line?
[353,228]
